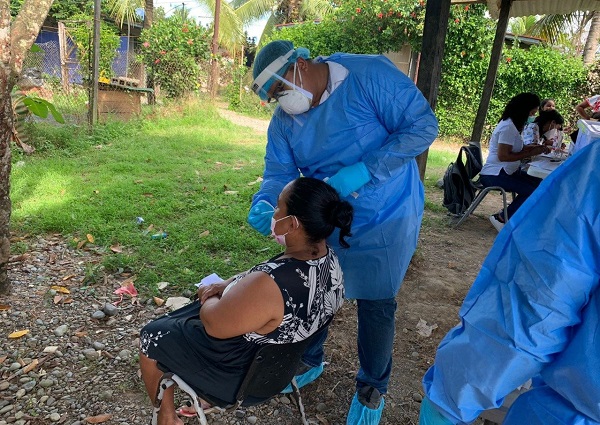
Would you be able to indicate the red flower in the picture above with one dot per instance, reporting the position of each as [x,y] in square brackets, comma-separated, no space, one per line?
[380,15]
[421,3]
[157,61]
[508,60]
[358,9]
[263,103]
[146,44]
[190,41]
[456,21]
[162,52]
[185,29]
[399,14]
[466,8]
[413,14]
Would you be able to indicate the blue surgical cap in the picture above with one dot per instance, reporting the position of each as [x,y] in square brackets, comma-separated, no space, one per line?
[270,53]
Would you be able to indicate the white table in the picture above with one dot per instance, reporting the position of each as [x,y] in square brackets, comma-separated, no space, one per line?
[543,165]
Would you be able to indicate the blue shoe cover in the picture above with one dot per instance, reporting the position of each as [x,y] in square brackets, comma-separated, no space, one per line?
[360,414]
[305,379]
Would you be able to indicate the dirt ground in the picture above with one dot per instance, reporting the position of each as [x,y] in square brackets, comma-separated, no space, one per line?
[442,270]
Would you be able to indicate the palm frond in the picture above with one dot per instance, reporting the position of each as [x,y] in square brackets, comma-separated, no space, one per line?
[124,10]
[550,27]
[253,10]
[317,8]
[269,28]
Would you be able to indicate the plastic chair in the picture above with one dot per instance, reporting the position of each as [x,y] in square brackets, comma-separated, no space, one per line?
[272,369]
[481,191]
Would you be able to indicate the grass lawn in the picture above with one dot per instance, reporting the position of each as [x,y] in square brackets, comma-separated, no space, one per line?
[184,170]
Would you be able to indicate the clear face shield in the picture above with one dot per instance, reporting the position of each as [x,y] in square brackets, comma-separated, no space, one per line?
[270,86]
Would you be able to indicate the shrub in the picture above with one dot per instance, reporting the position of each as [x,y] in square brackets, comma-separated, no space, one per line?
[172,50]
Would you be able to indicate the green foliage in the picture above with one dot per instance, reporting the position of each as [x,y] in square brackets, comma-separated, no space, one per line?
[81,29]
[539,69]
[241,98]
[359,26]
[172,50]
[39,107]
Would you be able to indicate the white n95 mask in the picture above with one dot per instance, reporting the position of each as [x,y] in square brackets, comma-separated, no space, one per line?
[295,101]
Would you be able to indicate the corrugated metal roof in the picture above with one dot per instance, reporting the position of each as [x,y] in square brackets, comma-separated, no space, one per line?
[544,7]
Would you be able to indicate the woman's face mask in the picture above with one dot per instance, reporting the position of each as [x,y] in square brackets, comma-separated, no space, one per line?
[530,119]
[279,238]
[551,134]
[297,100]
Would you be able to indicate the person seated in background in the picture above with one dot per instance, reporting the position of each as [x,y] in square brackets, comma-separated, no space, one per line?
[545,129]
[210,343]
[533,311]
[547,105]
[588,107]
[506,150]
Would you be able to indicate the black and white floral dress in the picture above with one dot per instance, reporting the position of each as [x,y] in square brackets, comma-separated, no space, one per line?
[312,292]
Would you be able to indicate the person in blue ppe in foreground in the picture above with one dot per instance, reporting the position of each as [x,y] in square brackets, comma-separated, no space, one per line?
[533,312]
[357,122]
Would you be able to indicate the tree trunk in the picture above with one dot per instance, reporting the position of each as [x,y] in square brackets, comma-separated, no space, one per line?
[148,18]
[591,42]
[16,39]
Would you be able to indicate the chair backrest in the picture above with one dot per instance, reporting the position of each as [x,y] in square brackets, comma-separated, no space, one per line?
[272,369]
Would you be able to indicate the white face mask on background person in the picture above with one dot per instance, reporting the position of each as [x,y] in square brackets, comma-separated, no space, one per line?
[530,119]
[551,134]
[295,101]
[280,239]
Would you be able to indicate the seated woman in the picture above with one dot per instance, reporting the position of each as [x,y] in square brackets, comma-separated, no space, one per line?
[545,129]
[506,150]
[211,342]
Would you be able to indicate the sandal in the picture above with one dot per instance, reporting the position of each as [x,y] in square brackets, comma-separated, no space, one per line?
[188,410]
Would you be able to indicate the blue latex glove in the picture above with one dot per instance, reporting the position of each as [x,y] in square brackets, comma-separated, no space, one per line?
[349,179]
[430,416]
[260,217]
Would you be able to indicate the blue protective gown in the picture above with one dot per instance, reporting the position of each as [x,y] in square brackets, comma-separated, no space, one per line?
[533,310]
[378,116]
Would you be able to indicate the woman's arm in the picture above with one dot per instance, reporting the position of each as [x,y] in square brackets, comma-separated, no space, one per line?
[254,304]
[581,109]
[505,153]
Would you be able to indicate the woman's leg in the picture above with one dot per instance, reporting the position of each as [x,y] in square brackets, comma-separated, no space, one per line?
[151,376]
[521,184]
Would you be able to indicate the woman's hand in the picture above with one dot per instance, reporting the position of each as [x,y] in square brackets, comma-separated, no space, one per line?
[212,290]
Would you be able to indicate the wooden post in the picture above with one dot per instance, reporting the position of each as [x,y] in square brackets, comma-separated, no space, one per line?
[63,54]
[437,14]
[93,111]
[214,67]
[490,78]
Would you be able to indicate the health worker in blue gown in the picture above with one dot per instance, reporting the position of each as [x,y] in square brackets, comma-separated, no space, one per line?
[357,122]
[533,312]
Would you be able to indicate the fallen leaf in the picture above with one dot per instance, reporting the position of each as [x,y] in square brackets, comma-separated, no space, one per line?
[4,307]
[18,334]
[30,366]
[90,238]
[158,301]
[69,276]
[80,334]
[68,300]
[116,248]
[60,289]
[57,299]
[98,419]
[218,163]
[205,233]
[231,192]
[147,195]
[81,244]
[18,258]
[2,359]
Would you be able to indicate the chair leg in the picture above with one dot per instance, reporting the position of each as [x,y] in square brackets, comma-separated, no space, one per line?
[472,207]
[168,380]
[298,399]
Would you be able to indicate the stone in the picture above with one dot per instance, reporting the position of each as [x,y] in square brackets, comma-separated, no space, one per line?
[91,354]
[98,315]
[61,330]
[54,417]
[110,309]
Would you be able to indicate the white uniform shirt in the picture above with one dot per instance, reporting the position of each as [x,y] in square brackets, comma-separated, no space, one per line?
[507,134]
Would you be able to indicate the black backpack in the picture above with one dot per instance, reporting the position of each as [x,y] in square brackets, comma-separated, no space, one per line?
[459,187]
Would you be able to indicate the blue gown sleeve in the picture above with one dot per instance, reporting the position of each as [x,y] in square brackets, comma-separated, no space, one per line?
[528,297]
[280,166]
[405,113]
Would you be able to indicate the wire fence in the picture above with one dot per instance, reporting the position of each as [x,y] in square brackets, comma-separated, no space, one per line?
[63,81]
